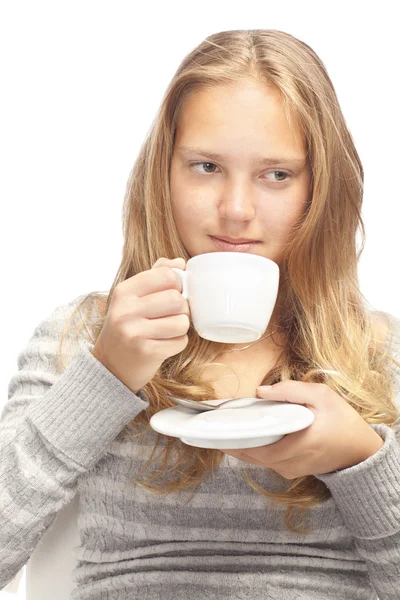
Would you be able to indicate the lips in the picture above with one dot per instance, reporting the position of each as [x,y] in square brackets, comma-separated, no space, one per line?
[225,246]
[235,240]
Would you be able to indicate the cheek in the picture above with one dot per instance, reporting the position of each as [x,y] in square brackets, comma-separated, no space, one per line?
[189,205]
[274,215]
[189,214]
[282,215]
[185,198]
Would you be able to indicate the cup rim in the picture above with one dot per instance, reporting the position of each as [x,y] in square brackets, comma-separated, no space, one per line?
[255,257]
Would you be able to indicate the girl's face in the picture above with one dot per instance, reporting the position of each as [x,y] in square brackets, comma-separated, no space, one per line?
[227,175]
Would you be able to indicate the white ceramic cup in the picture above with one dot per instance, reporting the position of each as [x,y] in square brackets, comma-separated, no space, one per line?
[231,295]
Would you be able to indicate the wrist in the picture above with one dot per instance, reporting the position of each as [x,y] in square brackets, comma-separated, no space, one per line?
[374,445]
[368,449]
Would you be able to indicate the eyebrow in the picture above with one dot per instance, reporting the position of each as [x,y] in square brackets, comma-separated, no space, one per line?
[258,161]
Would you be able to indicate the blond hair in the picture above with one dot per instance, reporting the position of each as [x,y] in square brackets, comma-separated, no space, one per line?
[321,308]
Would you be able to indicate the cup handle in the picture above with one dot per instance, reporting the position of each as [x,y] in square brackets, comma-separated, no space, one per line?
[183,275]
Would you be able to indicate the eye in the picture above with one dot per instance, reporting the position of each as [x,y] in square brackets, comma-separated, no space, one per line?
[212,166]
[202,163]
[287,176]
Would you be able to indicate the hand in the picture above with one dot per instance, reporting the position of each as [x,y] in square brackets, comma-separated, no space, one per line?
[147,322]
[337,439]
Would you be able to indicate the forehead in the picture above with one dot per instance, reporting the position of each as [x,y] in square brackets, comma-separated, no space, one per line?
[247,115]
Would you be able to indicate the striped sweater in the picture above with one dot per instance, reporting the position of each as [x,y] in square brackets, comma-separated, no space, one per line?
[64,431]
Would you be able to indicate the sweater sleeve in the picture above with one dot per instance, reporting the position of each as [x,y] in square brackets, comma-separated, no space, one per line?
[58,422]
[368,497]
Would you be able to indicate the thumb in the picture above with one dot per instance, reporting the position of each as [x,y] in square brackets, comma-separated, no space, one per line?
[292,391]
[270,392]
[179,262]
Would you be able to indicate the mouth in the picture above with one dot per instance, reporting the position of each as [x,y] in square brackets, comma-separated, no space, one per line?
[234,246]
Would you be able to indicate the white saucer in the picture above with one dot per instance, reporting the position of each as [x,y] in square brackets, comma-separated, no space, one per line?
[257,423]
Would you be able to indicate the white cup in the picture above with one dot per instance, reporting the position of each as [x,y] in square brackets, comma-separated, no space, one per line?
[231,295]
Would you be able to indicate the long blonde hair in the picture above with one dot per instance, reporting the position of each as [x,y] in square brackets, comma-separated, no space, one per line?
[322,310]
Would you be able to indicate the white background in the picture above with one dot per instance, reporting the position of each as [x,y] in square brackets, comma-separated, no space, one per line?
[81,83]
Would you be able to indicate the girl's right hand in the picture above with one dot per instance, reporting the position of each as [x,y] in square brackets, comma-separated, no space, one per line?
[146,323]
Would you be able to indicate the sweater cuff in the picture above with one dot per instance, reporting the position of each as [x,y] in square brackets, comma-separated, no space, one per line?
[368,494]
[85,409]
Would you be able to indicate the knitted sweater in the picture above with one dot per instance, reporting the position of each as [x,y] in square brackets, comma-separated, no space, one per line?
[64,431]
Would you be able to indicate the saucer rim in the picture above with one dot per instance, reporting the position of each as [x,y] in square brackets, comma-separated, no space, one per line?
[308,420]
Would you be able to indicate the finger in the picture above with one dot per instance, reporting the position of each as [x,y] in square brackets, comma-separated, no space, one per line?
[308,394]
[179,262]
[282,467]
[284,449]
[162,304]
[244,457]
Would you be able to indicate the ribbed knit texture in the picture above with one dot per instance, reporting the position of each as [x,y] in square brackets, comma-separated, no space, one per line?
[64,431]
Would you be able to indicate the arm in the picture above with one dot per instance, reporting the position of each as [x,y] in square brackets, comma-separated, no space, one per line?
[56,425]
[368,498]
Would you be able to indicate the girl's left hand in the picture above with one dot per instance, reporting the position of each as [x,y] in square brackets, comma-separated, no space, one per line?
[337,439]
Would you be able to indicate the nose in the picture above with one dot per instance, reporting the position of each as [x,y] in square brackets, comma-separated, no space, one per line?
[236,202]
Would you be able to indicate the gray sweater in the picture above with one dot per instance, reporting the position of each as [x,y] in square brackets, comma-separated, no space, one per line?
[63,432]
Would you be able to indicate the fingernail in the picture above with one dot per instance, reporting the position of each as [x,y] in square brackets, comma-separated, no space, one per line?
[264,387]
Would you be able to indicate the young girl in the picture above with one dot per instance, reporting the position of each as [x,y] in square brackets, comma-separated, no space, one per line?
[249,143]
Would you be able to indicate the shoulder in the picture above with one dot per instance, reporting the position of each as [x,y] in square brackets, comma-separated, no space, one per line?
[78,316]
[386,328]
[388,331]
[90,306]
